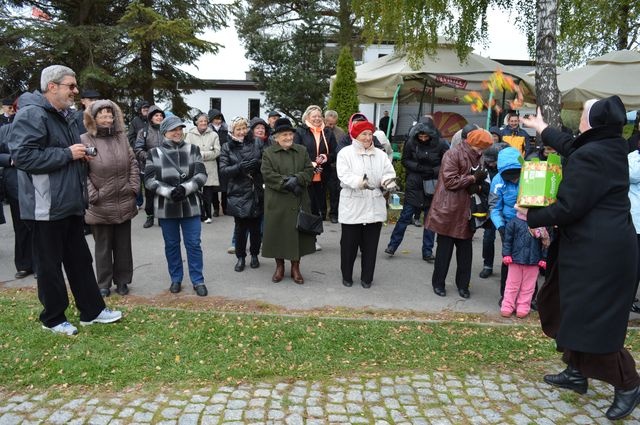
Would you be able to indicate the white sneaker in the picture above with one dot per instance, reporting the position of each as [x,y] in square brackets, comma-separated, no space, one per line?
[64,328]
[231,250]
[208,221]
[105,316]
[318,247]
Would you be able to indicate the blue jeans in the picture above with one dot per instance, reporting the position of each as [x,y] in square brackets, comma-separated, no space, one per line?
[139,196]
[406,218]
[191,228]
[488,247]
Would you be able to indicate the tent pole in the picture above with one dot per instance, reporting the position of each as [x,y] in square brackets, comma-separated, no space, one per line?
[488,123]
[393,107]
[433,98]
[499,118]
[424,88]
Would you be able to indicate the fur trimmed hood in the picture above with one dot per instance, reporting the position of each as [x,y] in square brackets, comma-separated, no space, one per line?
[89,116]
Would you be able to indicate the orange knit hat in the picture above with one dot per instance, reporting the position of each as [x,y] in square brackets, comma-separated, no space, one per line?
[480,138]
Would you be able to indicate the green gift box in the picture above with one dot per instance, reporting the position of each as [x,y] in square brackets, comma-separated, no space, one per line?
[539,181]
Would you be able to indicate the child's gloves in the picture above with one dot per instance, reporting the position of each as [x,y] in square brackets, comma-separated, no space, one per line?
[542,264]
[507,260]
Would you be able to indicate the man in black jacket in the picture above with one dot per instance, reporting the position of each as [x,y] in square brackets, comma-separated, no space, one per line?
[8,112]
[421,158]
[384,122]
[52,176]
[23,251]
[138,122]
[87,97]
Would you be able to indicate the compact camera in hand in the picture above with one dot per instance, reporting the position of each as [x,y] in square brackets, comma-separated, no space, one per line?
[91,151]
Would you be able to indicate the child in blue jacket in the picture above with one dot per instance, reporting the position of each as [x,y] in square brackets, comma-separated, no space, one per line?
[503,196]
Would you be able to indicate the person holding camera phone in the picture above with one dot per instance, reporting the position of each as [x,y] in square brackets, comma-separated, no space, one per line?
[52,176]
[174,173]
[322,149]
[113,184]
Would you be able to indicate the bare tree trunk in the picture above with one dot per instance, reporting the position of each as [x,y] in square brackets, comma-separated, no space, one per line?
[146,65]
[547,94]
[623,29]
[345,35]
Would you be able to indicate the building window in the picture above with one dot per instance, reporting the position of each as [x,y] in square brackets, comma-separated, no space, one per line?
[215,103]
[254,108]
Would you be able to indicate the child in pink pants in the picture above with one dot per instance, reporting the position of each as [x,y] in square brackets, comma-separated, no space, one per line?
[522,251]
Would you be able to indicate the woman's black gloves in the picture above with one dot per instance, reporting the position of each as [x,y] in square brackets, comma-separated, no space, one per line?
[178,194]
[290,183]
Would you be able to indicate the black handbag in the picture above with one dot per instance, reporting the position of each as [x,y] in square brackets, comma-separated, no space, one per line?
[203,211]
[309,223]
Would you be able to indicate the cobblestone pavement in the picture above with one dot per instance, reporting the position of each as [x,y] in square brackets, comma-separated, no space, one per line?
[431,398]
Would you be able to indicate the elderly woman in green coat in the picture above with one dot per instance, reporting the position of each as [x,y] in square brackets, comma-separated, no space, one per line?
[287,171]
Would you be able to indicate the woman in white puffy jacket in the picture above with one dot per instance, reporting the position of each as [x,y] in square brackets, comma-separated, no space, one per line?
[364,173]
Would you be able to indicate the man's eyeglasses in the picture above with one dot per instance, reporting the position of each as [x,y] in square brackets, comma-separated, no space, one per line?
[72,87]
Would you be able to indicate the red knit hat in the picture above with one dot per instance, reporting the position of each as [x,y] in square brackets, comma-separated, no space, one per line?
[360,126]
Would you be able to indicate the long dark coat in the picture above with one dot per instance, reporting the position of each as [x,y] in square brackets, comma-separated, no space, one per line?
[595,268]
[281,239]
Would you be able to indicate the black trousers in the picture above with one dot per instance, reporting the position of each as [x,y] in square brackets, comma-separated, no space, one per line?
[318,195]
[23,246]
[617,369]
[252,225]
[333,185]
[114,259]
[217,202]
[62,243]
[638,269]
[148,202]
[444,252]
[504,271]
[364,237]
[208,194]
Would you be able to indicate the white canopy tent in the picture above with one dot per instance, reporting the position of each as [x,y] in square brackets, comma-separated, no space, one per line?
[442,78]
[615,73]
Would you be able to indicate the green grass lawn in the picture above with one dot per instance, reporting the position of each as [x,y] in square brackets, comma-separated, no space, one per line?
[178,347]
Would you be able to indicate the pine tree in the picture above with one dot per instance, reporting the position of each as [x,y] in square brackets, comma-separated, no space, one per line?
[344,92]
[126,49]
[287,43]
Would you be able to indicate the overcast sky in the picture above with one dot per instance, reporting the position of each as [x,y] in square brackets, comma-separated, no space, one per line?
[505,42]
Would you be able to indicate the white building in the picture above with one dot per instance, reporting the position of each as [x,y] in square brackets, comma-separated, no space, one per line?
[232,97]
[244,98]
